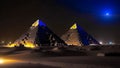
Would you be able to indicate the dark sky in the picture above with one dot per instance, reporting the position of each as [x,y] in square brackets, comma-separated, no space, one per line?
[16,16]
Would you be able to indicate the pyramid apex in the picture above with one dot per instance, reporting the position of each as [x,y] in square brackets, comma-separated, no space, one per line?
[41,23]
[38,22]
[74,26]
[35,24]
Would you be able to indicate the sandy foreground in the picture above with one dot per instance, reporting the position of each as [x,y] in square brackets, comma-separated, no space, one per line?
[28,59]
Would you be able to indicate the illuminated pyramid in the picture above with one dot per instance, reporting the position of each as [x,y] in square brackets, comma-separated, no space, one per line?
[77,36]
[38,34]
[45,37]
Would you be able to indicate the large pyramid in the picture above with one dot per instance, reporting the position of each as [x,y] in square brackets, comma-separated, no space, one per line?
[46,37]
[77,36]
[38,34]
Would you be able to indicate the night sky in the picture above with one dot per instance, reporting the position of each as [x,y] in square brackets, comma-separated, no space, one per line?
[100,18]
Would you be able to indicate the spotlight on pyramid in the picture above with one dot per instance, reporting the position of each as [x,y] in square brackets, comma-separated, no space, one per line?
[78,37]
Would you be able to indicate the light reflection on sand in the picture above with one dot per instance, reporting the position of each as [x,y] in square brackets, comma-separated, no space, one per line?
[4,61]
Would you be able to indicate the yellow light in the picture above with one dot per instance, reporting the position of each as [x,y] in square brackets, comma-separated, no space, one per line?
[11,45]
[1,61]
[35,23]
[26,44]
[74,26]
[8,61]
[29,45]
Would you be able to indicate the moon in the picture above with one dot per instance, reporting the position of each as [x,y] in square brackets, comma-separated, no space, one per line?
[107,14]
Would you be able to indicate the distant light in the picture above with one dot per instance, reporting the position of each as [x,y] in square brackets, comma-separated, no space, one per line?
[10,42]
[3,42]
[111,43]
[101,42]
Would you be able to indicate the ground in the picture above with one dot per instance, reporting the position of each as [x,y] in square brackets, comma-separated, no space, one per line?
[29,59]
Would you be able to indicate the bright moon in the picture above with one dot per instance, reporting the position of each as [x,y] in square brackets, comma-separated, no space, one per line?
[107,14]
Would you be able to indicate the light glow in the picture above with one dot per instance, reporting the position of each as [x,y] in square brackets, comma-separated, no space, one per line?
[2,41]
[36,23]
[101,42]
[27,44]
[74,26]
[111,43]
[1,61]
[8,61]
[107,14]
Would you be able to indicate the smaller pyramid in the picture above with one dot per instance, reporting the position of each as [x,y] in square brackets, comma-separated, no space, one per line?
[77,36]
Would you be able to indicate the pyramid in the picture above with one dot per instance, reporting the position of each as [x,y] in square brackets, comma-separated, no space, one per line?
[38,35]
[78,37]
[45,37]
